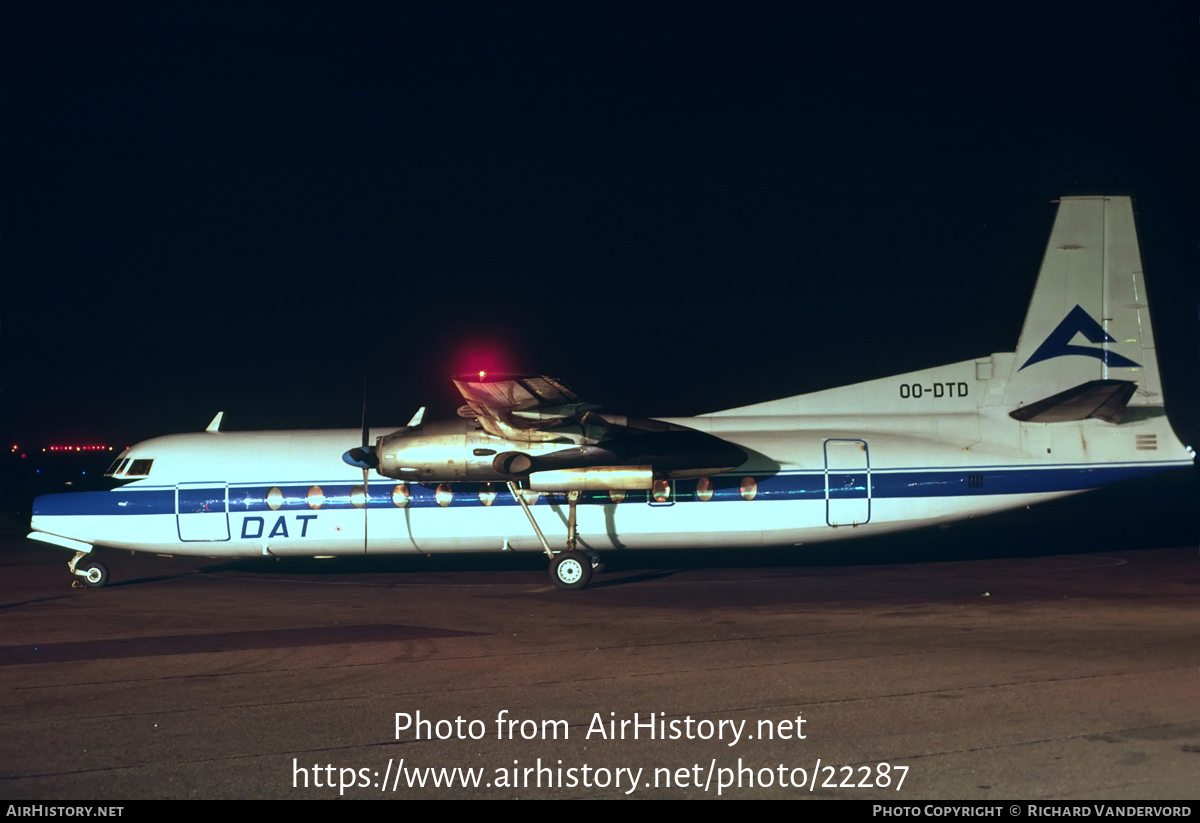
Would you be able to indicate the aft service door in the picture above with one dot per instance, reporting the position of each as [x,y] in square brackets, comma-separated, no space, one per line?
[202,511]
[847,482]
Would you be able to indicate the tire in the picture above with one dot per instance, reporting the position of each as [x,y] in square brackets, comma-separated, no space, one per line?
[571,570]
[95,574]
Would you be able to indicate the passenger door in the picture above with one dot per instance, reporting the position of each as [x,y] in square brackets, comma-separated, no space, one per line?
[847,482]
[202,511]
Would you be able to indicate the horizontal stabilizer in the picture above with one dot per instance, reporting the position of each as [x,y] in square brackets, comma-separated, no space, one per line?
[1101,399]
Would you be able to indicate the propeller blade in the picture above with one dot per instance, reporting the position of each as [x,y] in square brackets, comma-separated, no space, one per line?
[367,459]
[365,433]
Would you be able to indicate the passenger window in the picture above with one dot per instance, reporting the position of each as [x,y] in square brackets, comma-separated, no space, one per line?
[140,468]
[662,493]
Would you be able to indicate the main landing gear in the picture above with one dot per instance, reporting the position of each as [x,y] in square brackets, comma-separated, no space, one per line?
[90,573]
[570,569]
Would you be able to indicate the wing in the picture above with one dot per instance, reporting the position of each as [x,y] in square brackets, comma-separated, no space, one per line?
[529,408]
[521,407]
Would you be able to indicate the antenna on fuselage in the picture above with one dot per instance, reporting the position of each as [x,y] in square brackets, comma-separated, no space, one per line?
[215,425]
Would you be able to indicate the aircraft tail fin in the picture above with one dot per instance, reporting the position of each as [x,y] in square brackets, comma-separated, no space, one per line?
[1089,322]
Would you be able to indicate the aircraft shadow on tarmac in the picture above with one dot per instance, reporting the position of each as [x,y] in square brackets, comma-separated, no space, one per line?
[139,581]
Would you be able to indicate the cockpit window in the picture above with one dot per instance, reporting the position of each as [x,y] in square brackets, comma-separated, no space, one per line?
[140,468]
[117,464]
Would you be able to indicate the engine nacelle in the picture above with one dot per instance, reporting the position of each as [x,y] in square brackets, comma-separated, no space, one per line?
[459,450]
[445,451]
[453,450]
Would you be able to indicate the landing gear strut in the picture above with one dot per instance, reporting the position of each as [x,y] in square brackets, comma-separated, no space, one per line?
[572,533]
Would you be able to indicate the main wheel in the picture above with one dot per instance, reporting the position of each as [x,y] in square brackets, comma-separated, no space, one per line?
[570,570]
[95,574]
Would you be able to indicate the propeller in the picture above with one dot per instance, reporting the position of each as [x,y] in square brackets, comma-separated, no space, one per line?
[364,451]
[365,456]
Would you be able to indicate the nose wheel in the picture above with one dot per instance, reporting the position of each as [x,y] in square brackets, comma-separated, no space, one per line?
[90,573]
[94,575]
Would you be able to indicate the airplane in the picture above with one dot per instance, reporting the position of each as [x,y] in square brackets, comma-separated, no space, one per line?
[529,466]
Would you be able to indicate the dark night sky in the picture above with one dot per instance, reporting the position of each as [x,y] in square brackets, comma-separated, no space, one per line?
[674,207]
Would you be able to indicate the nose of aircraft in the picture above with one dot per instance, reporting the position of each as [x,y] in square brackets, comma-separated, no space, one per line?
[67,515]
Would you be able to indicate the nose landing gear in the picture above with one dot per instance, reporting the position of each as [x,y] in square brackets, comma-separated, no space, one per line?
[90,573]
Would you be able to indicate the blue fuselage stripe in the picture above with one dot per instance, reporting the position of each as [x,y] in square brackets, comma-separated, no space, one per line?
[784,486]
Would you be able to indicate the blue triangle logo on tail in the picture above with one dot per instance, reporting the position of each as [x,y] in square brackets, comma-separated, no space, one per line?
[1058,343]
